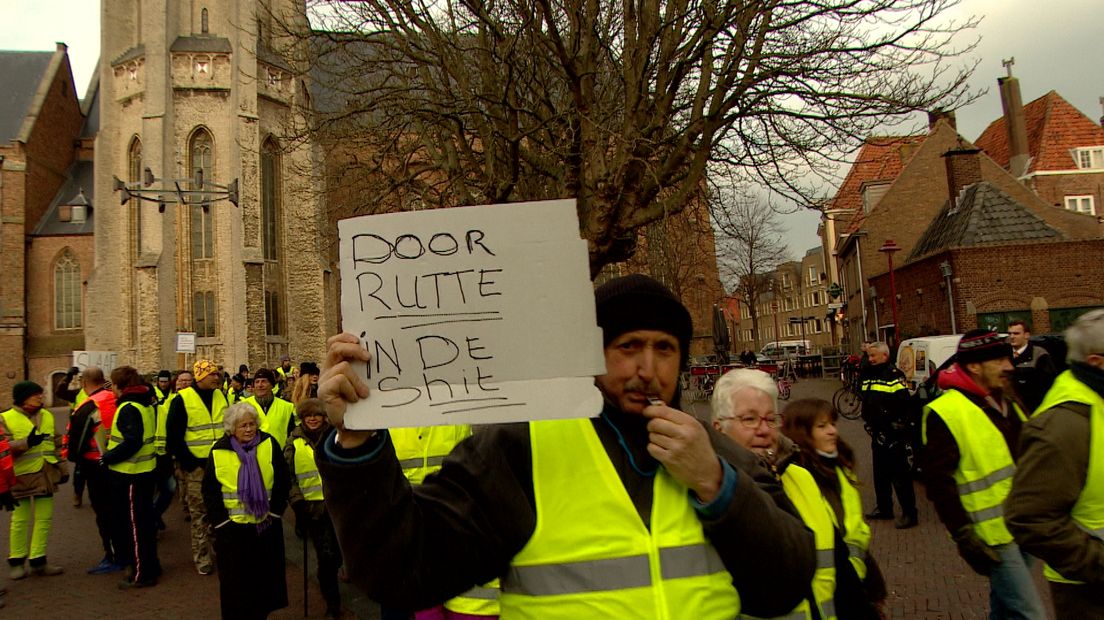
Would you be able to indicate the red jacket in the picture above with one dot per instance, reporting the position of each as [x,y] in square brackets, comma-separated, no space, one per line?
[7,466]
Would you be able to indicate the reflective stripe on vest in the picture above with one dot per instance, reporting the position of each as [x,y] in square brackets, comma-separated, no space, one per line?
[159,429]
[856,531]
[591,556]
[985,467]
[879,385]
[815,512]
[1088,510]
[305,470]
[227,465]
[478,601]
[141,461]
[204,426]
[276,420]
[20,427]
[421,450]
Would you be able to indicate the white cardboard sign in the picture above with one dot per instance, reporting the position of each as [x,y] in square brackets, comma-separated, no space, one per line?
[472,315]
[104,360]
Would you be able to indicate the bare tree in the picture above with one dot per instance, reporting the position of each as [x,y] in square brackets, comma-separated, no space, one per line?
[750,246]
[621,105]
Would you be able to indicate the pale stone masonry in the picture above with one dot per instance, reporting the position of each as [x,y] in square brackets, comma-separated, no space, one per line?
[175,76]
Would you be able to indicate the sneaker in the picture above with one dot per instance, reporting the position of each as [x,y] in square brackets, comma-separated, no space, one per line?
[205,570]
[46,570]
[105,567]
[78,501]
[879,515]
[17,572]
[127,584]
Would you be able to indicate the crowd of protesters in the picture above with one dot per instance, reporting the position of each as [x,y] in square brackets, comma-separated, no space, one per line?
[642,511]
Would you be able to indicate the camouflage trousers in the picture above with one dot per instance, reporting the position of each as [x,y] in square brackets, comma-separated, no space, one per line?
[201,527]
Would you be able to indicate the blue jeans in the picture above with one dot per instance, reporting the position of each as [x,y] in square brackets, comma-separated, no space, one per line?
[1012,592]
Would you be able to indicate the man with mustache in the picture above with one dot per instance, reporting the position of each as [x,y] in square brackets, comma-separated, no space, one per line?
[971,436]
[643,510]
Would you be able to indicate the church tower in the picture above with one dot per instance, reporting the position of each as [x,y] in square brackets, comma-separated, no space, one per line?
[189,85]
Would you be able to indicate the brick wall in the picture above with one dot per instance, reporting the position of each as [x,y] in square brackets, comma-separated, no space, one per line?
[1038,277]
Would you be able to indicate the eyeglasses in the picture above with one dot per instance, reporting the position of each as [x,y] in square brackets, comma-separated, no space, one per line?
[753,421]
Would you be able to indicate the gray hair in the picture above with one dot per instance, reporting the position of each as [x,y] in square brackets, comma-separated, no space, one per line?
[233,415]
[1086,336]
[879,346]
[735,380]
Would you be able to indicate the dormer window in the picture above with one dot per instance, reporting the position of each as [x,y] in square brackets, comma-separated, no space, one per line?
[1088,158]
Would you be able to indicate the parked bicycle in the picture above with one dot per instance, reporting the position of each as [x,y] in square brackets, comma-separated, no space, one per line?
[848,399]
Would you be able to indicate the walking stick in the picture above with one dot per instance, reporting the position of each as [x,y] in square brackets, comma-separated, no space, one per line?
[304,574]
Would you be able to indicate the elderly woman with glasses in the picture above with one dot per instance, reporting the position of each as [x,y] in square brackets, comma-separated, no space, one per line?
[245,490]
[745,408]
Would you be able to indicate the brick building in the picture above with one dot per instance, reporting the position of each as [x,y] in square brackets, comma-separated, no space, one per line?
[797,305]
[45,242]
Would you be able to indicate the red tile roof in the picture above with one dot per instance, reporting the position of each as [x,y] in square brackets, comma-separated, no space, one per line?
[1054,127]
[881,158]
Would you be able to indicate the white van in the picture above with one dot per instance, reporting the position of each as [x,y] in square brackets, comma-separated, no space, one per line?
[783,349]
[919,358]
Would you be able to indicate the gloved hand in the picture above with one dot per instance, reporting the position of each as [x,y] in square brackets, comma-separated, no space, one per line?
[73,371]
[980,556]
[7,502]
[35,438]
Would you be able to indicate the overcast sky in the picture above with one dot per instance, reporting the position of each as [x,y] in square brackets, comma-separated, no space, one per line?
[1056,44]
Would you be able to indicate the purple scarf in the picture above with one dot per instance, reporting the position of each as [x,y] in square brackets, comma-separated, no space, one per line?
[251,489]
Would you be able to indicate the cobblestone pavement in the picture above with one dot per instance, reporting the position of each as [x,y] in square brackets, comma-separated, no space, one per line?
[926,578]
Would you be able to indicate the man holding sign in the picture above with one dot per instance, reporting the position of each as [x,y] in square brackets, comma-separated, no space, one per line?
[641,511]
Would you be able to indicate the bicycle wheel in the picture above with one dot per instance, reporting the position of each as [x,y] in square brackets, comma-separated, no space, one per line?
[784,390]
[847,403]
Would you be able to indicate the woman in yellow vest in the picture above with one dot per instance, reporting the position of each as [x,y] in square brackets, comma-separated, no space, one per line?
[131,460]
[811,424]
[245,490]
[29,428]
[305,497]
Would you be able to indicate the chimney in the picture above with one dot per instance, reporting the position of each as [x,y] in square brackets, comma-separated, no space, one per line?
[963,170]
[940,113]
[1012,103]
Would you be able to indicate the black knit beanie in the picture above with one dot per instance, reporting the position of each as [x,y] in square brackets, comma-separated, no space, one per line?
[24,390]
[637,302]
[981,345]
[264,373]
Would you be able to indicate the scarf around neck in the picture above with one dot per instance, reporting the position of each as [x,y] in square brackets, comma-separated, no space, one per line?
[251,489]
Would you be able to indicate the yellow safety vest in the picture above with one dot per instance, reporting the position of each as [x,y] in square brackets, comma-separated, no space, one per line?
[985,466]
[159,428]
[80,398]
[143,460]
[856,531]
[276,420]
[814,510]
[306,471]
[590,555]
[422,449]
[1088,511]
[20,427]
[204,427]
[159,393]
[227,465]
[478,601]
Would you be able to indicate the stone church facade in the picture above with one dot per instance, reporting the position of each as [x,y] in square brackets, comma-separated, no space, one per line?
[187,86]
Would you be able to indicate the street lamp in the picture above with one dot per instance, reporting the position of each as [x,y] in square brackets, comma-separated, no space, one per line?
[945,269]
[889,247]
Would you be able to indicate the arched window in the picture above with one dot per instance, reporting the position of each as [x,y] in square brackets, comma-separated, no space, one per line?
[134,175]
[67,292]
[201,157]
[270,199]
[203,21]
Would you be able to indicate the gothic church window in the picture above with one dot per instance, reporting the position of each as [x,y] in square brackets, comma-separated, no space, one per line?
[67,292]
[201,157]
[134,175]
[203,313]
[203,21]
[270,199]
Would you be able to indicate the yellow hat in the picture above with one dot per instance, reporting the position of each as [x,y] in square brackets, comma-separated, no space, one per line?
[203,368]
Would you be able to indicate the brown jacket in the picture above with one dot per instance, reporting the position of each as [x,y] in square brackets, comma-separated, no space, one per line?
[1050,474]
